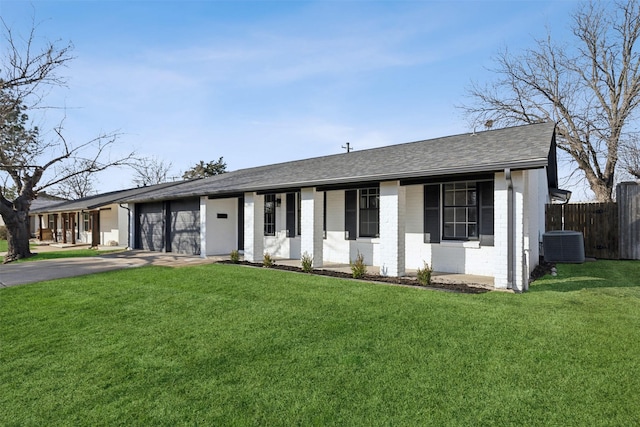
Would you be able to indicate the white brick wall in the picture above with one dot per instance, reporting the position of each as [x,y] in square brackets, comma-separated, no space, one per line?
[114,224]
[529,194]
[392,228]
[311,224]
[221,233]
[401,244]
[335,248]
[453,257]
[500,223]
[281,246]
[253,227]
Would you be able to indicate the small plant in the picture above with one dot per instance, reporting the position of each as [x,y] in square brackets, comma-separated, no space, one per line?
[307,263]
[424,275]
[358,268]
[235,256]
[267,260]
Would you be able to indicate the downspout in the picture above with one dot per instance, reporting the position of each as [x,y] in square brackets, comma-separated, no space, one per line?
[510,234]
[128,225]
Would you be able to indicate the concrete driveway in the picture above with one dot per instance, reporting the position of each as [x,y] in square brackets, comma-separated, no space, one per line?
[37,271]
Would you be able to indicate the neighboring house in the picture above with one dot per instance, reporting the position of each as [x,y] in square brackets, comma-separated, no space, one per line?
[469,203]
[95,220]
[43,200]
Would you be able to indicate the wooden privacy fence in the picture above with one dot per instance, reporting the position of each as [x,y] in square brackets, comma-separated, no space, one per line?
[628,197]
[598,222]
[611,230]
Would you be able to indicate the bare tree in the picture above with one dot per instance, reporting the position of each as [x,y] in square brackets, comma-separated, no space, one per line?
[26,158]
[150,171]
[630,158]
[590,90]
[76,186]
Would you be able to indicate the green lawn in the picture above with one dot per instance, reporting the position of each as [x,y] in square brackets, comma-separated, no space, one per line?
[230,345]
[67,253]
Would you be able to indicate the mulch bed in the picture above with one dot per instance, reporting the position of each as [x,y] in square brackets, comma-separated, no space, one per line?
[468,288]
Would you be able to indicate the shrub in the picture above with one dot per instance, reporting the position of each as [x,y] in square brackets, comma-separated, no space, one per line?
[424,275]
[307,263]
[235,256]
[267,260]
[358,268]
[3,232]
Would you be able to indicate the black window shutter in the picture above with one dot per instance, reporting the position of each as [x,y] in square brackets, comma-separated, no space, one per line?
[351,214]
[485,189]
[432,212]
[241,223]
[324,214]
[291,214]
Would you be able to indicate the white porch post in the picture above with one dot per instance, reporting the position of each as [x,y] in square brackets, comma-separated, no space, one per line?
[253,227]
[501,236]
[311,239]
[392,228]
[203,226]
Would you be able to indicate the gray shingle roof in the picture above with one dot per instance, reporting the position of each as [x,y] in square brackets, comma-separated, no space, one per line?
[94,202]
[520,147]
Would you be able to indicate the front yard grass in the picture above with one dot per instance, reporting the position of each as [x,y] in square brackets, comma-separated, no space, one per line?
[230,345]
[67,253]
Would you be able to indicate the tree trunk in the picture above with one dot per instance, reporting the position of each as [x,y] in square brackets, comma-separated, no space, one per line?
[18,235]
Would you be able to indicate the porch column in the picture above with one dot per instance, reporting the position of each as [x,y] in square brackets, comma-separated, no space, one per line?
[65,219]
[203,227]
[253,227]
[40,227]
[311,217]
[55,228]
[392,228]
[72,226]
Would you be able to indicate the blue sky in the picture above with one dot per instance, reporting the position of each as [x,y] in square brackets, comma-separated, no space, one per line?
[262,82]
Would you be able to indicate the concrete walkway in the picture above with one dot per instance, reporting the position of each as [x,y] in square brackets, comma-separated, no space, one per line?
[30,272]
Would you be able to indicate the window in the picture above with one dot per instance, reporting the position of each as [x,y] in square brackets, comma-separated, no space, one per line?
[269,214]
[369,212]
[86,221]
[460,211]
[51,220]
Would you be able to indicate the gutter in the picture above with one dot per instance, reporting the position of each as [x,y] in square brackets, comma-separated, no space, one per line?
[510,233]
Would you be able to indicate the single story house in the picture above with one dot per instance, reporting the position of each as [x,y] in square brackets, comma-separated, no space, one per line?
[95,220]
[41,202]
[471,203]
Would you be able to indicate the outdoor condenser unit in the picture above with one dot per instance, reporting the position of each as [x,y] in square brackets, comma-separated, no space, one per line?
[563,246]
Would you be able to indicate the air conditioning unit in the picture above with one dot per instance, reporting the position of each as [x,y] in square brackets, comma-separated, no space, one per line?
[563,246]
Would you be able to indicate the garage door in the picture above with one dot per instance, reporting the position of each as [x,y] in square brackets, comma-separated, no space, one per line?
[184,230]
[150,227]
